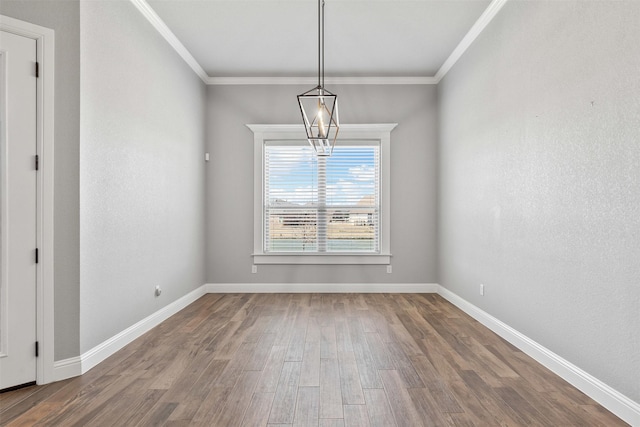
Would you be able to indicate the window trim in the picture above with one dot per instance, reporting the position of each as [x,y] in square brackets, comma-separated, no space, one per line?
[379,132]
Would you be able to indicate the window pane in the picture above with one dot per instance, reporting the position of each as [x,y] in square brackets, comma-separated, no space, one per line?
[318,204]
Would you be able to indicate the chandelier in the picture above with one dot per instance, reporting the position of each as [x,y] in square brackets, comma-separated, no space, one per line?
[318,106]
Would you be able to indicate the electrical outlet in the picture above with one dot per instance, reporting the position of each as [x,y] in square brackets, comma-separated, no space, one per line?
[254,269]
[389,269]
[481,289]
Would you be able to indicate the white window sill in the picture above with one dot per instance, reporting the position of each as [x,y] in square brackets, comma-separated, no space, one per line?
[327,259]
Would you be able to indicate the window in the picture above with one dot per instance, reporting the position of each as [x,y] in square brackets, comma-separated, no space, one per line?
[321,204]
[321,210]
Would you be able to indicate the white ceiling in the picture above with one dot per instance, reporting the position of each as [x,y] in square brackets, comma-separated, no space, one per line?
[278,38]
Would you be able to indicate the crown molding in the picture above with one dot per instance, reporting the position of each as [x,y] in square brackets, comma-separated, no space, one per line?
[487,16]
[168,35]
[344,128]
[328,80]
[477,28]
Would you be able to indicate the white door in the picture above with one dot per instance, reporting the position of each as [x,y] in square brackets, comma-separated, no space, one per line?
[17,210]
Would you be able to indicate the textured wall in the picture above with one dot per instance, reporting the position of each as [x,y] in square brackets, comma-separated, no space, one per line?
[141,174]
[540,180]
[64,18]
[413,180]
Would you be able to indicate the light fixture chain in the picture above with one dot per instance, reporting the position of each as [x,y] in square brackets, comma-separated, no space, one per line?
[320,83]
[322,43]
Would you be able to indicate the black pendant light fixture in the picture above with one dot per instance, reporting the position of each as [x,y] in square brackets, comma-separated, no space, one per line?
[318,106]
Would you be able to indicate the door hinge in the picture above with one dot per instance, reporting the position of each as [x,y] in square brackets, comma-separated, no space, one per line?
[37,69]
[37,162]
[36,255]
[37,349]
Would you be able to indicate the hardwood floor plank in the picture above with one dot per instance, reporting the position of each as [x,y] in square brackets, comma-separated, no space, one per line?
[491,401]
[463,396]
[33,416]
[331,422]
[88,404]
[257,414]
[223,343]
[294,314]
[172,372]
[237,401]
[295,350]
[330,391]
[236,365]
[522,407]
[350,379]
[158,416]
[436,386]
[314,333]
[597,415]
[379,351]
[366,364]
[16,403]
[310,374]
[133,409]
[556,413]
[405,340]
[260,353]
[194,385]
[328,343]
[307,407]
[405,368]
[205,410]
[284,401]
[312,359]
[343,337]
[430,412]
[356,416]
[8,399]
[271,371]
[378,408]
[404,411]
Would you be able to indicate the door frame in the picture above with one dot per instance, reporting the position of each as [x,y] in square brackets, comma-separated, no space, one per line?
[45,50]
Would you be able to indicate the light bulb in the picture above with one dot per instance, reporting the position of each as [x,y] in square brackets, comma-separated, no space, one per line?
[322,130]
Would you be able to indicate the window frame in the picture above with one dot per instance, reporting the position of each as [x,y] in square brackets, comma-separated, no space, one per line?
[371,132]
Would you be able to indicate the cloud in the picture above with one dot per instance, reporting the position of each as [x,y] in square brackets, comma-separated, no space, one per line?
[363,172]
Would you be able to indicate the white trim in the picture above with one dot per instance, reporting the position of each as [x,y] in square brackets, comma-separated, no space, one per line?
[45,48]
[326,259]
[171,38]
[77,366]
[331,288]
[371,130]
[614,401]
[375,131]
[67,368]
[487,16]
[381,80]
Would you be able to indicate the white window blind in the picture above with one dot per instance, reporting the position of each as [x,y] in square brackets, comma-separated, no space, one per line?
[321,204]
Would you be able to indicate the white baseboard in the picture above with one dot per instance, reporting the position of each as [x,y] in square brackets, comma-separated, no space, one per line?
[614,401]
[67,368]
[373,288]
[79,365]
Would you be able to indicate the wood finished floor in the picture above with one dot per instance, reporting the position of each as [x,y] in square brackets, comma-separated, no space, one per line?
[312,360]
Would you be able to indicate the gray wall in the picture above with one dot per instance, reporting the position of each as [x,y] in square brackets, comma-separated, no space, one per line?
[540,180]
[142,175]
[64,18]
[230,180]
